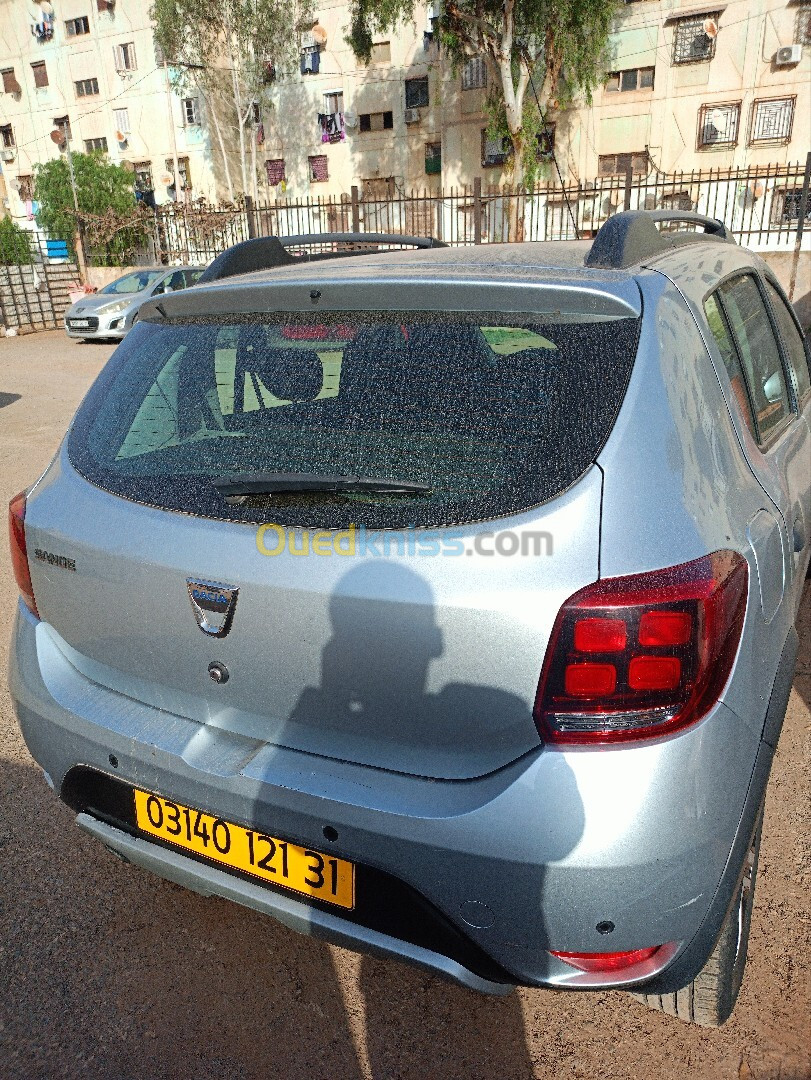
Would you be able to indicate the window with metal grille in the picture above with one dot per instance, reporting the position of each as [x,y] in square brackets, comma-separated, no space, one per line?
[160,55]
[718,125]
[376,121]
[416,93]
[121,119]
[692,44]
[95,144]
[77,27]
[495,150]
[474,74]
[40,74]
[143,176]
[125,57]
[433,158]
[7,136]
[630,79]
[802,25]
[786,203]
[319,168]
[26,186]
[772,120]
[676,200]
[190,111]
[619,164]
[10,84]
[381,53]
[86,87]
[274,169]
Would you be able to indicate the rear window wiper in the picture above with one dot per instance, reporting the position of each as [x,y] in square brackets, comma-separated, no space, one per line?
[244,484]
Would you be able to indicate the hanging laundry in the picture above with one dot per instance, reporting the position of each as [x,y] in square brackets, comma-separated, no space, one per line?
[260,134]
[29,209]
[310,61]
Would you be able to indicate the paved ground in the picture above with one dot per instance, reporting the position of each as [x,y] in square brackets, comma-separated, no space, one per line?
[106,972]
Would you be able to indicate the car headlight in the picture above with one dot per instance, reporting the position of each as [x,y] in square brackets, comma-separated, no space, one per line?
[111,309]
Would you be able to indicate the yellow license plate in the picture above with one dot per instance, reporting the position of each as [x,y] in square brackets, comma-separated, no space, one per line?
[300,869]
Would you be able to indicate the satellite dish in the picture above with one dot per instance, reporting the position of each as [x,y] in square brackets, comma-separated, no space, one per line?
[710,28]
[350,119]
[58,137]
[122,138]
[166,179]
[319,34]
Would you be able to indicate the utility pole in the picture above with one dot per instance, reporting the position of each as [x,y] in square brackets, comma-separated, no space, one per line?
[171,112]
[62,138]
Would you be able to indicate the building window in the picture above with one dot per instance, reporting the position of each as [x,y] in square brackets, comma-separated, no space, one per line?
[275,172]
[86,87]
[125,57]
[676,200]
[802,25]
[692,44]
[77,27]
[183,170]
[619,164]
[40,74]
[143,176]
[121,119]
[546,143]
[630,79]
[772,120]
[7,136]
[376,121]
[433,158]
[10,84]
[62,124]
[786,206]
[495,150]
[474,74]
[25,186]
[319,168]
[190,112]
[718,125]
[95,144]
[381,53]
[334,102]
[416,93]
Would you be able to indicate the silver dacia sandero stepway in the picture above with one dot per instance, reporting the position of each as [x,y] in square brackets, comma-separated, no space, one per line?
[439,603]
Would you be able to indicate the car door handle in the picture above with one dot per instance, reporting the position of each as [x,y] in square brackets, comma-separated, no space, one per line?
[799,535]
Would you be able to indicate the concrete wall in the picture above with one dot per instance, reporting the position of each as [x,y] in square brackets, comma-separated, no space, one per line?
[781,263]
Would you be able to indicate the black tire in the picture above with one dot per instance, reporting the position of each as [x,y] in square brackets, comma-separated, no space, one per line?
[710,998]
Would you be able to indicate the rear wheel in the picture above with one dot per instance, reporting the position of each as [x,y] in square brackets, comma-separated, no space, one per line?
[710,998]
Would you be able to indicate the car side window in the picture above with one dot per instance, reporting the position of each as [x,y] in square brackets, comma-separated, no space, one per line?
[726,346]
[796,348]
[751,326]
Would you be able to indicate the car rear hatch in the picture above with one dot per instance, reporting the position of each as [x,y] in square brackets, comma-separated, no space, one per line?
[360,523]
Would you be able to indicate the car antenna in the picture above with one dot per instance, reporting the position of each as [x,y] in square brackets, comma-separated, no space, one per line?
[523,49]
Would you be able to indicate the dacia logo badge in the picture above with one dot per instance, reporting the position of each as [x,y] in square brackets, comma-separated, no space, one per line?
[213,605]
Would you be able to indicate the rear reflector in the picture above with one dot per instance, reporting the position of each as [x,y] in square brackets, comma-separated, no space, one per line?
[642,656]
[19,553]
[610,961]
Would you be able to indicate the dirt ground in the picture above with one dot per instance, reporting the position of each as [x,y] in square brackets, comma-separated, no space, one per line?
[106,972]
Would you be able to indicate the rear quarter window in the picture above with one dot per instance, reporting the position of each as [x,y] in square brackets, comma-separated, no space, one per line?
[491,415]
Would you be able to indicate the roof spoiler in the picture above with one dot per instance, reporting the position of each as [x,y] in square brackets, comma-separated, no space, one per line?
[266,252]
[630,237]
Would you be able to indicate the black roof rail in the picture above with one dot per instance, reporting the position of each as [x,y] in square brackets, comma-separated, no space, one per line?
[266,252]
[630,237]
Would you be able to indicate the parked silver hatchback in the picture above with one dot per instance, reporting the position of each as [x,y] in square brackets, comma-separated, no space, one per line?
[111,312]
[439,603]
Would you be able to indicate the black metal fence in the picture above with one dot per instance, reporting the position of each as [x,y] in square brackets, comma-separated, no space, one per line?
[761,206]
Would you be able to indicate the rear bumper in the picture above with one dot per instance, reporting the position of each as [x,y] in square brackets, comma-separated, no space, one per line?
[536,854]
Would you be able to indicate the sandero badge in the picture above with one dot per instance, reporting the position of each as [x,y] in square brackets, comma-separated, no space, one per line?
[213,605]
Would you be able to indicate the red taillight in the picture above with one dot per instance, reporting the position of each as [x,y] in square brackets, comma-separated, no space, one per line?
[642,656]
[609,961]
[19,554]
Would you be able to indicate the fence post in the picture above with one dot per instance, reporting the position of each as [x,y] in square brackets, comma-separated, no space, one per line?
[800,225]
[355,210]
[628,182]
[251,221]
[477,210]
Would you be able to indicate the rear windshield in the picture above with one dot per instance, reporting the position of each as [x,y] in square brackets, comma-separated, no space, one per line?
[489,414]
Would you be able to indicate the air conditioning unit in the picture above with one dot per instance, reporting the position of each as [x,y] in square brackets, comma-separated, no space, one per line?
[789,54]
[412,116]
[8,155]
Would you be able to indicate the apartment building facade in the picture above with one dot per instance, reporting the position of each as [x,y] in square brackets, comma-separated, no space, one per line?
[688,87]
[89,69]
